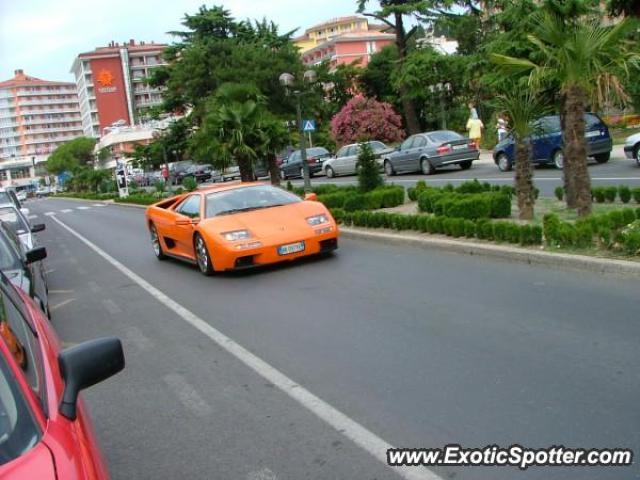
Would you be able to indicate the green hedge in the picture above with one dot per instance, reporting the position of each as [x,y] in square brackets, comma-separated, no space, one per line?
[351,200]
[471,206]
[140,199]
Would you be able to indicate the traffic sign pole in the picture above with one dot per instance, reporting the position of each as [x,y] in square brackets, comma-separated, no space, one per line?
[303,147]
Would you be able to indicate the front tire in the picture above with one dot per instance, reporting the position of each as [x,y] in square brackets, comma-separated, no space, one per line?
[503,162]
[558,159]
[426,167]
[202,256]
[636,154]
[155,243]
[388,168]
[329,172]
[283,176]
[603,157]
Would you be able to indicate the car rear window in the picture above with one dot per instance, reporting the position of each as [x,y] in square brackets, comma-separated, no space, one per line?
[592,121]
[316,152]
[444,136]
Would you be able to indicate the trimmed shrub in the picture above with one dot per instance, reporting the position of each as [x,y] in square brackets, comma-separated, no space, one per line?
[414,192]
[559,192]
[610,193]
[159,186]
[338,214]
[584,235]
[189,184]
[474,186]
[500,205]
[624,193]
[354,202]
[551,227]
[469,229]
[598,194]
[636,194]
[629,238]
[428,198]
[289,186]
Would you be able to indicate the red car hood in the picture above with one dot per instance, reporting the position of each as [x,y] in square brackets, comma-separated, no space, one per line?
[36,463]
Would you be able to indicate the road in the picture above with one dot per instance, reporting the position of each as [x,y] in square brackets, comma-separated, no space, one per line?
[618,171]
[420,348]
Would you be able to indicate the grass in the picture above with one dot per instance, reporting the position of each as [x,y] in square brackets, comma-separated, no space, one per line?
[619,135]
[552,205]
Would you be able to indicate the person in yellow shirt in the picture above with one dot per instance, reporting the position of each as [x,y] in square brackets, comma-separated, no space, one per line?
[475,127]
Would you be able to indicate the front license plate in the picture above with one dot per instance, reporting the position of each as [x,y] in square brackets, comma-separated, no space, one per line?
[291,248]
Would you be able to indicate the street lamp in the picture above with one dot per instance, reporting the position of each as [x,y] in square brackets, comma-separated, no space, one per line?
[443,89]
[287,81]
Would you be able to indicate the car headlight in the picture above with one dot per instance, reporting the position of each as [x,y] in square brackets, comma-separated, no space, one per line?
[236,235]
[317,220]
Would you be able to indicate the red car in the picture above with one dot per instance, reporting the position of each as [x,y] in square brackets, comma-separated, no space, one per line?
[45,432]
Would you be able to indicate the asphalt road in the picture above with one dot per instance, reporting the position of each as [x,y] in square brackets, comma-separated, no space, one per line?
[423,348]
[618,171]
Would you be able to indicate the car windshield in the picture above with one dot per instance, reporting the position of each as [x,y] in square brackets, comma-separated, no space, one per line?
[10,216]
[445,136]
[247,199]
[18,429]
[377,146]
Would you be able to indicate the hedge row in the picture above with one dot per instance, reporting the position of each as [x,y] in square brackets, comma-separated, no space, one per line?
[504,231]
[88,195]
[351,200]
[472,186]
[619,229]
[471,206]
[609,194]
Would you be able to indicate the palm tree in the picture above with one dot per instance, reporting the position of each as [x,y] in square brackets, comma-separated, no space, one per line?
[522,108]
[576,54]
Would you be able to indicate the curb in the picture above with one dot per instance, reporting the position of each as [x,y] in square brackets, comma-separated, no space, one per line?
[522,255]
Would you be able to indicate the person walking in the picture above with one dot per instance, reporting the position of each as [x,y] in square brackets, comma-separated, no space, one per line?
[502,127]
[474,127]
[473,113]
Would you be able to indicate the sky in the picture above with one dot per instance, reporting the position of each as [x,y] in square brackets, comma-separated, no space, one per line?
[43,37]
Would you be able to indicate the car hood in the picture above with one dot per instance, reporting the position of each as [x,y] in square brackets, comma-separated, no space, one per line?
[269,223]
[631,140]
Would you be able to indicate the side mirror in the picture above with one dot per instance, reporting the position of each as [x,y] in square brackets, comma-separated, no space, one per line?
[36,254]
[85,365]
[25,211]
[38,227]
[311,197]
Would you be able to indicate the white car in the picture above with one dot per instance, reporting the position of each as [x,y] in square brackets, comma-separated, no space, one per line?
[346,160]
[22,195]
[18,222]
[632,148]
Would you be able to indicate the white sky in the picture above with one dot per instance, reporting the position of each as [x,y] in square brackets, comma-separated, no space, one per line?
[43,37]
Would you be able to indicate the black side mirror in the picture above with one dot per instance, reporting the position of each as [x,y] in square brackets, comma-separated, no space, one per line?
[38,227]
[36,254]
[85,365]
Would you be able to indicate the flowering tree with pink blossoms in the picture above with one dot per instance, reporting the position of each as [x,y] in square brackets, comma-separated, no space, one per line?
[366,119]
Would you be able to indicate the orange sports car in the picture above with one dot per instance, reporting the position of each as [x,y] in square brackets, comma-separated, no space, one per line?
[234,226]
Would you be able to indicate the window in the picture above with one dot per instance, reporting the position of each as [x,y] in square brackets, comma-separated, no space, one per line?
[15,221]
[419,142]
[353,150]
[190,207]
[407,143]
[342,152]
[27,350]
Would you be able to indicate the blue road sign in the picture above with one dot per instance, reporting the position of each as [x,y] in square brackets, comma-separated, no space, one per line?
[309,126]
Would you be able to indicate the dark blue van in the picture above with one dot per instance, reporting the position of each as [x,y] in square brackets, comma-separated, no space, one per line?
[547,143]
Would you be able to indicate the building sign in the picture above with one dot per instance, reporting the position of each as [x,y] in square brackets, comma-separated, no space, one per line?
[111,98]
[105,79]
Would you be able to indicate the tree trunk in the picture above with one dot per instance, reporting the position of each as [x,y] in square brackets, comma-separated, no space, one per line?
[575,149]
[274,171]
[524,180]
[567,174]
[246,169]
[408,106]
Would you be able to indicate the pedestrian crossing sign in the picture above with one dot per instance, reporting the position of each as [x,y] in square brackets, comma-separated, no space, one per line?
[309,126]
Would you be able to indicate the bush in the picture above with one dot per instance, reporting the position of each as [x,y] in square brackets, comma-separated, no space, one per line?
[598,194]
[610,194]
[189,184]
[630,238]
[354,202]
[500,205]
[551,228]
[624,193]
[289,186]
[428,199]
[474,186]
[559,191]
[414,192]
[159,186]
[636,194]
[469,229]
[369,176]
[179,191]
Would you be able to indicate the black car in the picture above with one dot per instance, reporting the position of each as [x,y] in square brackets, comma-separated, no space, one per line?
[24,268]
[179,171]
[292,166]
[201,173]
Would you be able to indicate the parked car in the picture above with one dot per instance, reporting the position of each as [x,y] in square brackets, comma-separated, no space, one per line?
[424,152]
[230,173]
[15,219]
[8,195]
[346,160]
[292,166]
[201,173]
[43,191]
[46,429]
[24,267]
[632,147]
[178,171]
[547,143]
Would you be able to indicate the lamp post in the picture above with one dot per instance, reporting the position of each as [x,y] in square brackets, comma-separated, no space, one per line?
[287,80]
[443,89]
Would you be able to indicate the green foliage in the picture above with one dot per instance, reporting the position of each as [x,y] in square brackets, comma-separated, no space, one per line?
[72,155]
[624,193]
[610,194]
[350,199]
[160,186]
[369,176]
[189,184]
[414,192]
[636,194]
[630,238]
[598,194]
[559,192]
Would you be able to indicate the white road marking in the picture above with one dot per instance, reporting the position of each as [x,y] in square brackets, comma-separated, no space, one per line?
[60,292]
[83,208]
[188,395]
[111,306]
[66,210]
[50,214]
[348,427]
[61,304]
[98,205]
[31,217]
[262,474]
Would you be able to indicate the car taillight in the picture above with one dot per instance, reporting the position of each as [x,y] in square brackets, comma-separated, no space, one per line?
[443,149]
[472,145]
[312,160]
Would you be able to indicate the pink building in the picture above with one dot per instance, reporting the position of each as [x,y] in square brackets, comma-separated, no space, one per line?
[353,47]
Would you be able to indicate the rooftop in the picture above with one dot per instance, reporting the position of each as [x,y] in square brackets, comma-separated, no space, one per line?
[21,79]
[131,45]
